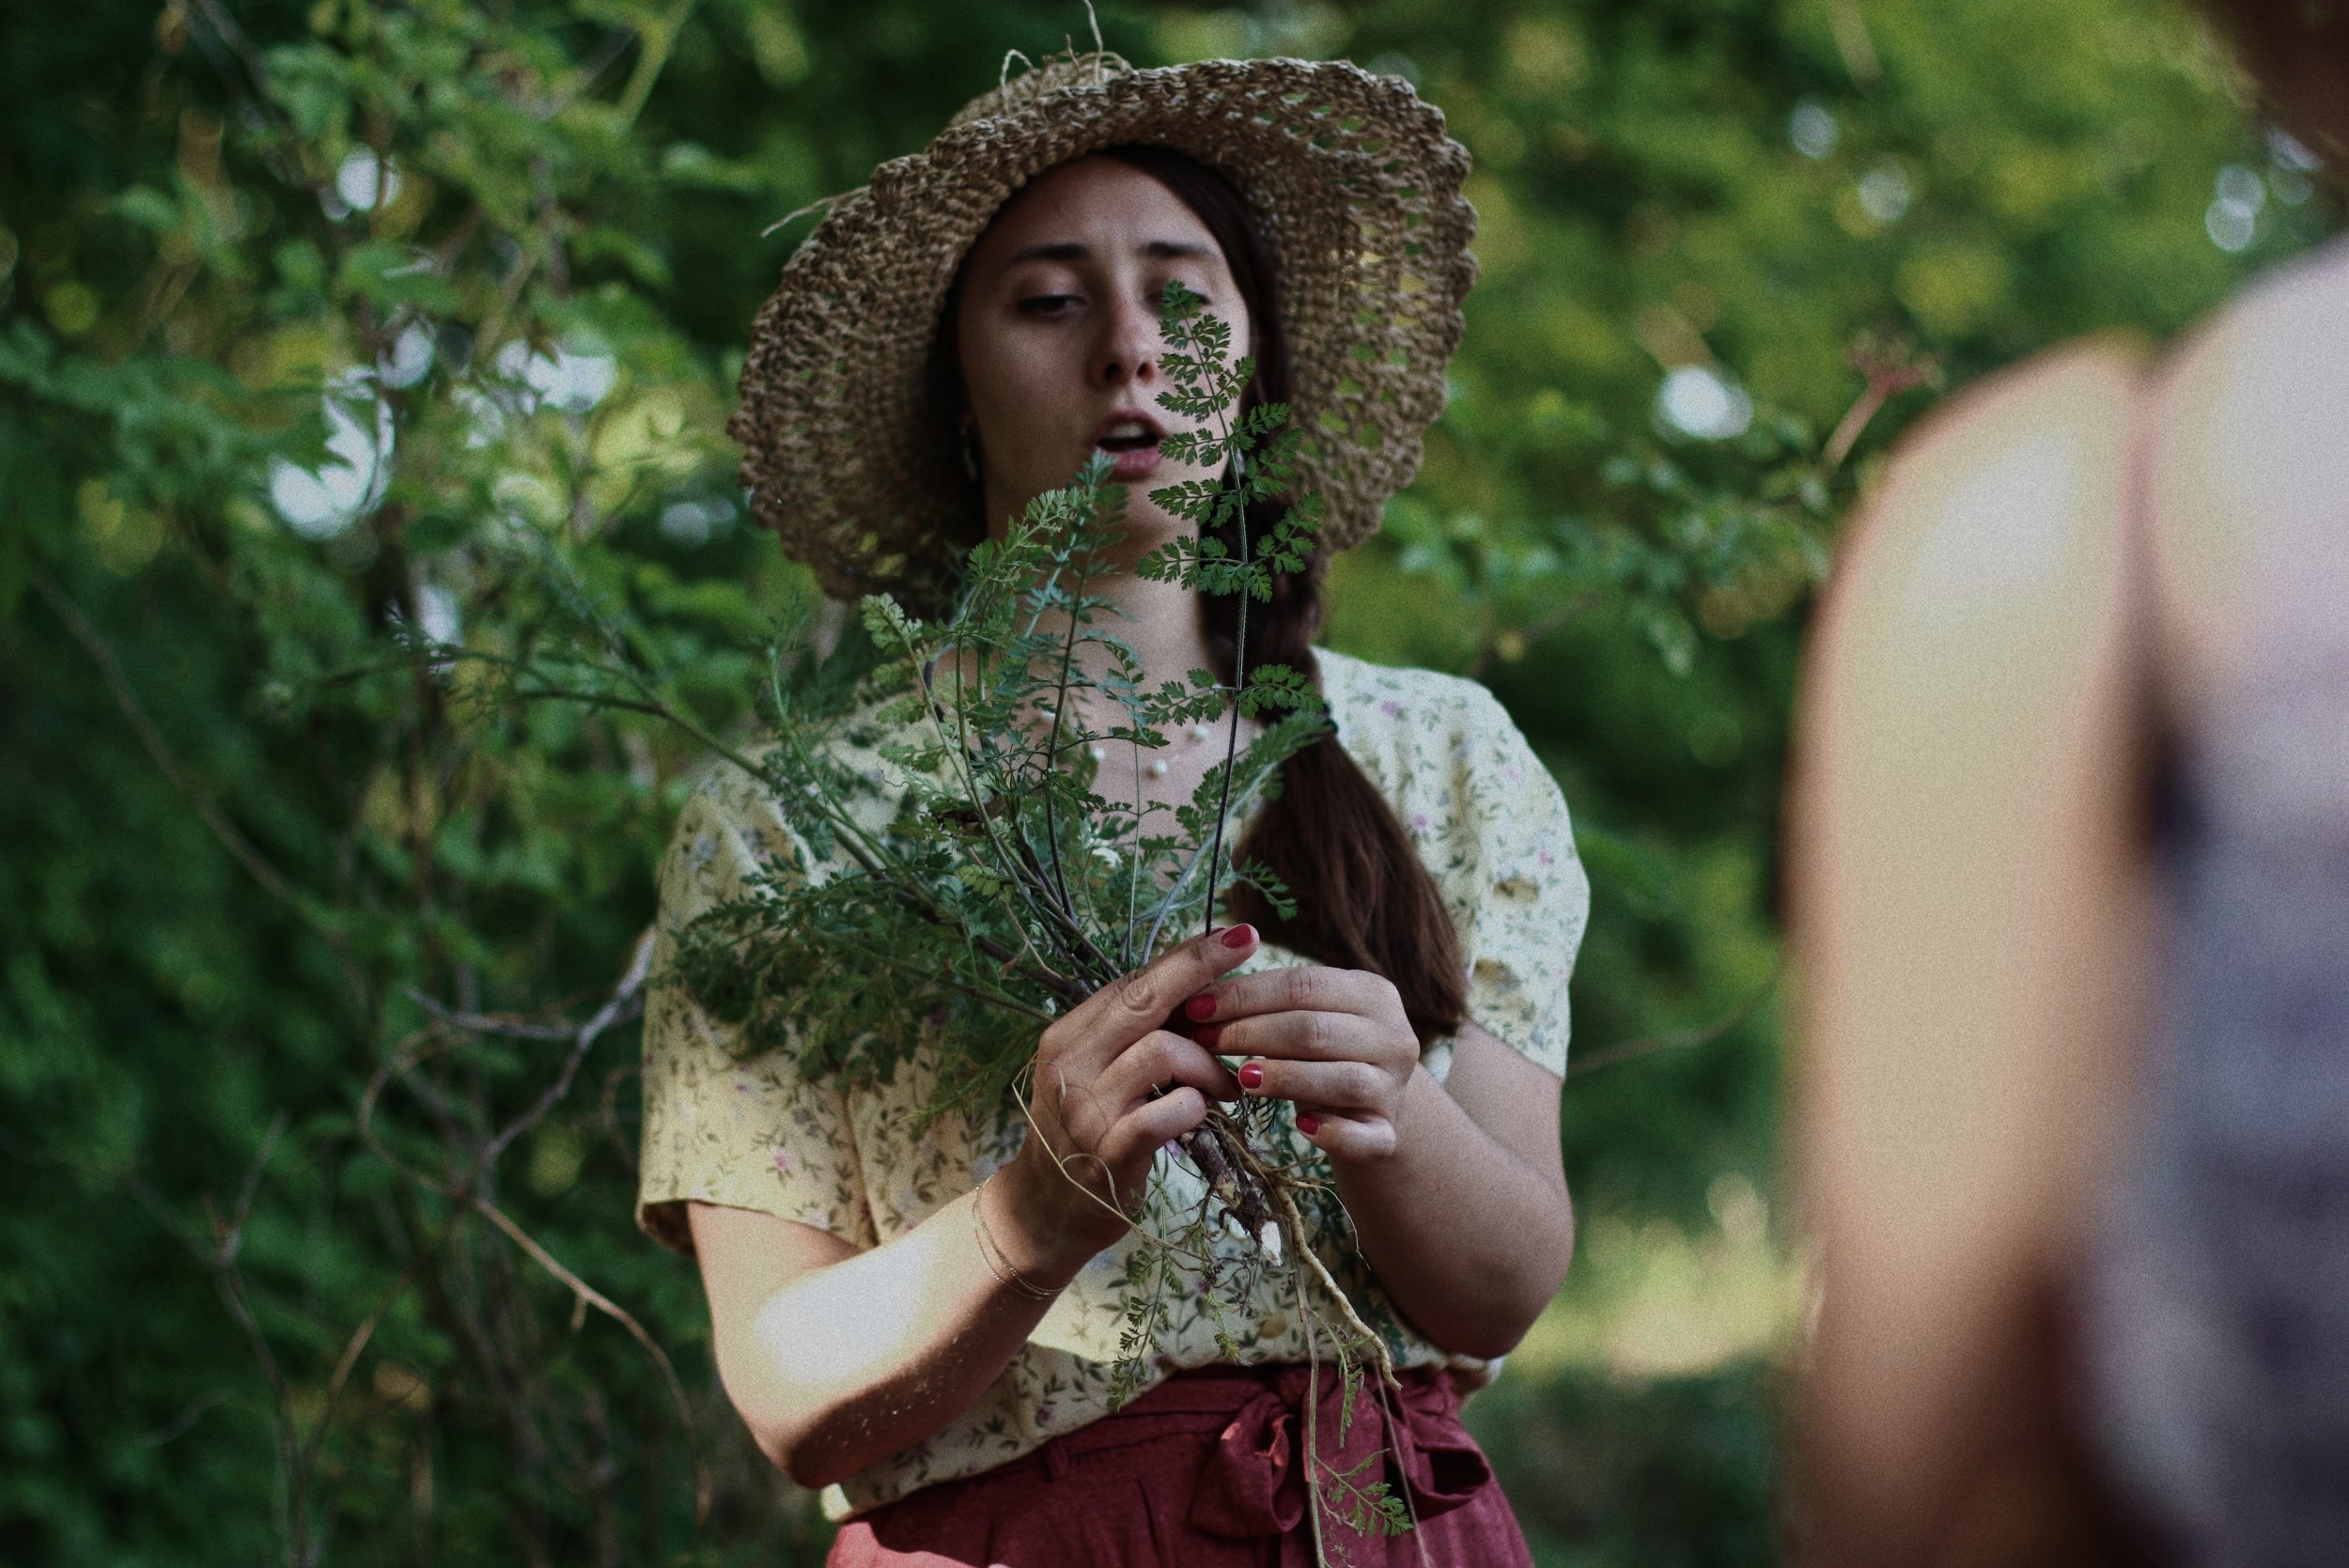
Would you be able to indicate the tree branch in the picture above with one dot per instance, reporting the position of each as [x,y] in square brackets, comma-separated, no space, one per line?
[159,749]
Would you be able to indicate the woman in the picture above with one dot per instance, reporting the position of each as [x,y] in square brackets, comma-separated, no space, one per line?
[924,1325]
[2072,884]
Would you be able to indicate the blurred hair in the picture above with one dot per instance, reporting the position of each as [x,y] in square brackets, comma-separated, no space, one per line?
[2299,51]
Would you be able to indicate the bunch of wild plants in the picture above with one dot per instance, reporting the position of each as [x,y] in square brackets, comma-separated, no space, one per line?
[960,877]
[980,882]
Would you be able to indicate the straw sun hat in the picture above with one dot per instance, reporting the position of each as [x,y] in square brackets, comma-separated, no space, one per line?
[847,454]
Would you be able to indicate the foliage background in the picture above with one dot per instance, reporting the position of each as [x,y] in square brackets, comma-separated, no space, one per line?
[256,857]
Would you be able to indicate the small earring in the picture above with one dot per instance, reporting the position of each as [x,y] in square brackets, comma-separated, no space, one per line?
[970,453]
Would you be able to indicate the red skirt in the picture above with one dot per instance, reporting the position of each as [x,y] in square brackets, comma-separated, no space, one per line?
[1207,1470]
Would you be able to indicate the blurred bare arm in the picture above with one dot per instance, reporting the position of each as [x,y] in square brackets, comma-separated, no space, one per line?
[1965,872]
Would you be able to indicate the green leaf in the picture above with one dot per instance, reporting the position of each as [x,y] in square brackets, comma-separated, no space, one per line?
[149,207]
[394,275]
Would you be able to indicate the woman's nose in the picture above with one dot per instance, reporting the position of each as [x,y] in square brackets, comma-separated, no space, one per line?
[1130,348]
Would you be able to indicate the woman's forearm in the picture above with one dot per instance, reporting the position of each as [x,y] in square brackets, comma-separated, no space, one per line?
[852,1362]
[838,1360]
[1466,1237]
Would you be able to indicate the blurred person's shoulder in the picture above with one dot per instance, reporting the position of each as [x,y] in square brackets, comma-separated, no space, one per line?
[1992,553]
[1995,490]
[2284,327]
[2014,517]
[2245,475]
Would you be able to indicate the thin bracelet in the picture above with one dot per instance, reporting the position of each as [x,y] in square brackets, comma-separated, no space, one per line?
[989,1249]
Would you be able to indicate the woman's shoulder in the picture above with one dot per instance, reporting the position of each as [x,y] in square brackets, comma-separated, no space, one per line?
[1490,824]
[1441,746]
[729,829]
[1390,701]
[733,825]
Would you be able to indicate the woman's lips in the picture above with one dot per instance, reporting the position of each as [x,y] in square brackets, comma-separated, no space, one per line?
[1132,443]
[1137,462]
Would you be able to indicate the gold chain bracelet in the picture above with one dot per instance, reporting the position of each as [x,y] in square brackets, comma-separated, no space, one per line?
[990,1251]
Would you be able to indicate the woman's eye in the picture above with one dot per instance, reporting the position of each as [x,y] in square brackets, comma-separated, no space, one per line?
[1048,305]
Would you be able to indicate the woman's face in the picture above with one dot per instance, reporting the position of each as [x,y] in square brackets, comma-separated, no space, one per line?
[1058,333]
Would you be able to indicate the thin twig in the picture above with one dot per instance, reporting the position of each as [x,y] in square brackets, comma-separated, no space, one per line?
[220,1259]
[584,1292]
[126,699]
[608,1105]
[1892,366]
[1679,1039]
[1239,665]
[1059,714]
[501,1026]
[178,1426]
[590,70]
[626,1001]
[659,38]
[233,38]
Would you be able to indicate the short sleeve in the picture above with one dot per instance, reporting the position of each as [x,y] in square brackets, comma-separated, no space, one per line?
[1526,894]
[744,1133]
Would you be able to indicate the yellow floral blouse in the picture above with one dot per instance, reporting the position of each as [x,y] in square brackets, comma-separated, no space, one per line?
[1490,824]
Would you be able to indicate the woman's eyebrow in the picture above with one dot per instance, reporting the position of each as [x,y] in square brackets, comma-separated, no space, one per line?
[1070,250]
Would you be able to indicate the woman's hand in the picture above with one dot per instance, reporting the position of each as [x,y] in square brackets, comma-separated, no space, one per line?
[1456,1189]
[1099,1113]
[1334,1041]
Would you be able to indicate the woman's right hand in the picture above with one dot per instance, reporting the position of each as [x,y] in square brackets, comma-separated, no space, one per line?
[1097,1116]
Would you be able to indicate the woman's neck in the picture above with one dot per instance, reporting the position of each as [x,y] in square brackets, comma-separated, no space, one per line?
[1160,621]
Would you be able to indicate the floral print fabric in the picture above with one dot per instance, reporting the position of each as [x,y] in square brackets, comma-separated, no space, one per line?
[1489,824]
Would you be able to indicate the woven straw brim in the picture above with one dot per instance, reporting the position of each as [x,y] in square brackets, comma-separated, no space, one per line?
[1356,190]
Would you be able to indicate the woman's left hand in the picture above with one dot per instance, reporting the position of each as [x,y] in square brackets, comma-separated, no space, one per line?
[1334,1041]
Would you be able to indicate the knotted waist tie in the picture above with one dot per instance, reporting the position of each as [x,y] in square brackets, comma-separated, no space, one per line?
[1253,1483]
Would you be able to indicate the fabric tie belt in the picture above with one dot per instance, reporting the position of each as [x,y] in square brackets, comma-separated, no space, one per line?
[1208,1470]
[1253,1482]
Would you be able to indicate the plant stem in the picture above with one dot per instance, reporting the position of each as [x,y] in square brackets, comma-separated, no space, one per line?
[1051,756]
[1239,684]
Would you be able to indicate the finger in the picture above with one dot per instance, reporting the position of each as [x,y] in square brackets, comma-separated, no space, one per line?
[1133,1004]
[1089,1110]
[1301,988]
[1348,1087]
[1158,1060]
[1308,1037]
[1134,1140]
[1347,1138]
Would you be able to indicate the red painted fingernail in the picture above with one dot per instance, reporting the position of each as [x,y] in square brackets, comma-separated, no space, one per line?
[1200,1007]
[1239,935]
[1207,1034]
[1308,1123]
[1252,1075]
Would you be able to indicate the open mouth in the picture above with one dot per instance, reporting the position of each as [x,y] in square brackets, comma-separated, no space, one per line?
[1119,436]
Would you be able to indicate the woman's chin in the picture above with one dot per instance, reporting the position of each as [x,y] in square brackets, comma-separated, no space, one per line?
[1148,525]
[1144,524]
